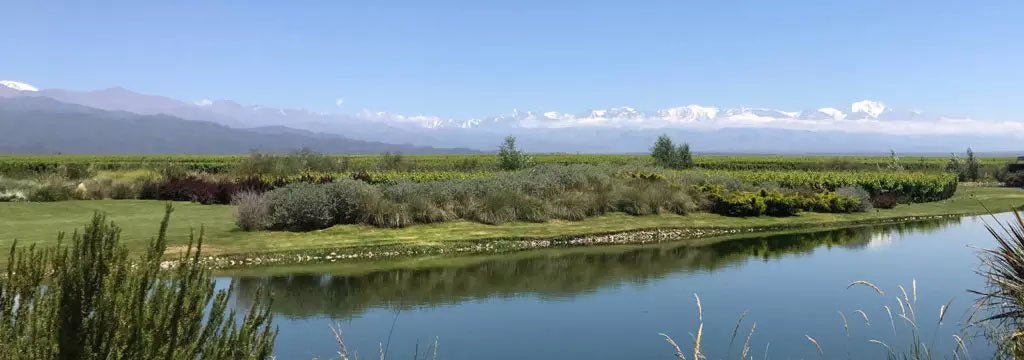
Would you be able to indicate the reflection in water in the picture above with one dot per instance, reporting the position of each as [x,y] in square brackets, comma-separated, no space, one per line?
[546,276]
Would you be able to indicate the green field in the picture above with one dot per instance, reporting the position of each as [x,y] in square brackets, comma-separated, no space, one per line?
[39,223]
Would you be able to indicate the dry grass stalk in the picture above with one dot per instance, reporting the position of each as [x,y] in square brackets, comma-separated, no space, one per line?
[943,309]
[961,347]
[816,345]
[913,285]
[891,320]
[864,315]
[735,329]
[887,348]
[700,329]
[342,349]
[868,284]
[906,300]
[746,343]
[846,325]
[679,351]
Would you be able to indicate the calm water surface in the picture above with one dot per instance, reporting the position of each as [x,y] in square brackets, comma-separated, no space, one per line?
[611,302]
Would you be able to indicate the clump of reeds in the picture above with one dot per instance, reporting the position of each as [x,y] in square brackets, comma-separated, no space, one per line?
[1002,301]
[906,315]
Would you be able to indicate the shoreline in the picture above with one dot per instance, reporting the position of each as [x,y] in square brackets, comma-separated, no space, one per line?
[226,247]
[501,246]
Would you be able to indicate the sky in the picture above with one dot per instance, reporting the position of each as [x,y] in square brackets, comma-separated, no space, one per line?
[479,58]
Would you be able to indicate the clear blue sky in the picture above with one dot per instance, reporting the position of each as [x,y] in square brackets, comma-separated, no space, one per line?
[474,58]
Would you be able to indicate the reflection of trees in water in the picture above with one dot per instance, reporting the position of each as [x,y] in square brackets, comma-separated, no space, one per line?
[544,276]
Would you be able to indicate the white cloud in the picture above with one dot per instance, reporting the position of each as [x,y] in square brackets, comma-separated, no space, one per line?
[204,102]
[707,117]
[339,102]
[872,108]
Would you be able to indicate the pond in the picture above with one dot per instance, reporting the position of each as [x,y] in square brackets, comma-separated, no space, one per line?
[612,302]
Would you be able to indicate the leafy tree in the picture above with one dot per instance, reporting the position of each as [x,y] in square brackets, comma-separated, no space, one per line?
[955,164]
[90,300]
[667,154]
[510,157]
[972,168]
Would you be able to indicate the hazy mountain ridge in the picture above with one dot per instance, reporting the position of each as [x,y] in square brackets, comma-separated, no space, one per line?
[44,125]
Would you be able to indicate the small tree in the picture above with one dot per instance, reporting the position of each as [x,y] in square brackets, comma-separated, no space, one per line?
[955,164]
[894,162]
[972,168]
[510,157]
[662,150]
[666,154]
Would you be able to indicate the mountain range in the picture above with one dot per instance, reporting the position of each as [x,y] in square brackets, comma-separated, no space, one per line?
[863,126]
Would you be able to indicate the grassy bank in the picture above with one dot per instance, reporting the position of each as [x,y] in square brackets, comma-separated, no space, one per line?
[40,222]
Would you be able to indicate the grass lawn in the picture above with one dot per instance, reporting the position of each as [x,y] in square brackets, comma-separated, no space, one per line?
[40,222]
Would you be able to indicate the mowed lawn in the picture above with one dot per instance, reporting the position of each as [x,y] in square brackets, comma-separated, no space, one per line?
[40,223]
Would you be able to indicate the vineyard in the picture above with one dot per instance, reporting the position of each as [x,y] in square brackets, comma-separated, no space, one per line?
[13,164]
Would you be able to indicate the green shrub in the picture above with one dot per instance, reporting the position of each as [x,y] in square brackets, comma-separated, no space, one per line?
[76,171]
[1014,179]
[52,191]
[349,199]
[121,190]
[299,207]
[668,155]
[381,212]
[779,204]
[503,206]
[573,206]
[87,298]
[510,157]
[639,199]
[856,192]
[741,203]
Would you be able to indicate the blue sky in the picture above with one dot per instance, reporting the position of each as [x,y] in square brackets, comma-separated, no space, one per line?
[476,58]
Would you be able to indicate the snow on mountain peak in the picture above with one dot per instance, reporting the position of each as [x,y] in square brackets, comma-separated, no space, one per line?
[20,86]
[834,113]
[872,108]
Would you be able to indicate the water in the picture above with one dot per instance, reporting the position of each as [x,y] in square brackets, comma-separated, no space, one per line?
[611,302]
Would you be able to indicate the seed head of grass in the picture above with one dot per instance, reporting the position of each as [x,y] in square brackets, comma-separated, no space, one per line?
[868,284]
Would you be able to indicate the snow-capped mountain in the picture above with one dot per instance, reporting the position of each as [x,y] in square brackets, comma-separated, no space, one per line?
[18,86]
[613,129]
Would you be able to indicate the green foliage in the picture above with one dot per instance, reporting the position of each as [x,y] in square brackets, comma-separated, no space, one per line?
[1002,301]
[1014,179]
[668,155]
[955,164]
[910,186]
[53,190]
[780,203]
[510,157]
[259,164]
[972,168]
[299,207]
[741,203]
[76,171]
[392,161]
[90,300]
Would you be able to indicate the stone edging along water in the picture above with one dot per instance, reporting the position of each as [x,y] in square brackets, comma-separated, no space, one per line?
[504,245]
